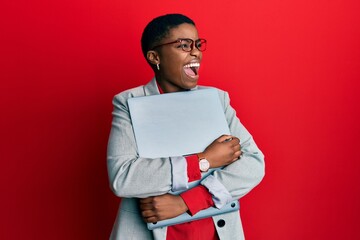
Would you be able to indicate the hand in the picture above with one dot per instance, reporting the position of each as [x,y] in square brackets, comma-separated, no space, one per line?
[162,207]
[223,151]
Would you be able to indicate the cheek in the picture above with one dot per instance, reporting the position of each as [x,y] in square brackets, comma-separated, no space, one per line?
[174,62]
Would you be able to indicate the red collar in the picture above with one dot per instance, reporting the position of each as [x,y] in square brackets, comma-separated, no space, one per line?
[160,89]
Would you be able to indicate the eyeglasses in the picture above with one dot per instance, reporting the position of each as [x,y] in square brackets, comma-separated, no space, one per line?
[187,44]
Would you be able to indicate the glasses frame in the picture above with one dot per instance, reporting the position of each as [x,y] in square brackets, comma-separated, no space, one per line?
[193,42]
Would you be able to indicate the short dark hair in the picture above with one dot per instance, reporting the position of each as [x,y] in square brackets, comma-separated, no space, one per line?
[159,28]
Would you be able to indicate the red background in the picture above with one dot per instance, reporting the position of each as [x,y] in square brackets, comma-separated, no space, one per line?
[292,69]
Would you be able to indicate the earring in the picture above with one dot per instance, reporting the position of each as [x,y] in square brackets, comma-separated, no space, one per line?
[158,66]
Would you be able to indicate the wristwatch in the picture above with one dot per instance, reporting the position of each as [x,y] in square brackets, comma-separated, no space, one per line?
[204,164]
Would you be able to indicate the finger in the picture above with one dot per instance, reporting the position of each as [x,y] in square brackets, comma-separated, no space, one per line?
[237,155]
[235,141]
[147,213]
[146,200]
[236,147]
[151,219]
[146,206]
[222,138]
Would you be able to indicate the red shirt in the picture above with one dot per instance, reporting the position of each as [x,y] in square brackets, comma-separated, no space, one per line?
[196,199]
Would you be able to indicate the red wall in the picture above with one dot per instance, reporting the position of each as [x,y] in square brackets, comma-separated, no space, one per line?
[292,69]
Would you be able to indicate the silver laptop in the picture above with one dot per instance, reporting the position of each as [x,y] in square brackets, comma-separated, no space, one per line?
[177,124]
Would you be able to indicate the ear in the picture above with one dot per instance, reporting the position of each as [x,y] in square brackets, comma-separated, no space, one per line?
[153,57]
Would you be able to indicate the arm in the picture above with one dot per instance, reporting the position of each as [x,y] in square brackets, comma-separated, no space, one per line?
[154,209]
[238,178]
[220,153]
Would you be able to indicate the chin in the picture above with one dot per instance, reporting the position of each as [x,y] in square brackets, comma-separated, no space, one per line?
[191,85]
[190,82]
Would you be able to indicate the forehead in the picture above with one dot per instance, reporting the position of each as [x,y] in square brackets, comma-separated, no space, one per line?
[184,30]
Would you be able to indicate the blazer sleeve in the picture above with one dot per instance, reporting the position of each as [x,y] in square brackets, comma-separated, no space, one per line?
[130,175]
[238,178]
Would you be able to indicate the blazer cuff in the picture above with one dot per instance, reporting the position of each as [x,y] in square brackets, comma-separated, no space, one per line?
[179,174]
[220,194]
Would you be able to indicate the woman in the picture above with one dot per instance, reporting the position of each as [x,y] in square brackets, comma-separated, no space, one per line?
[172,47]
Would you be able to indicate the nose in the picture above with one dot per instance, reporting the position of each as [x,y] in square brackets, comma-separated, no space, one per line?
[195,52]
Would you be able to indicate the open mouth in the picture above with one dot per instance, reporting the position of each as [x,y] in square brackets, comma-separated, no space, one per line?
[192,69]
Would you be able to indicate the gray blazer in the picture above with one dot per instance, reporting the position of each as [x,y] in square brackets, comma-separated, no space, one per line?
[133,177]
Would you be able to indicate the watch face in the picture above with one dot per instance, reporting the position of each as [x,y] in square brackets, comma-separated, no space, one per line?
[204,165]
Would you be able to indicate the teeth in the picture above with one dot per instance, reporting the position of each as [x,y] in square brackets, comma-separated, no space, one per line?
[192,65]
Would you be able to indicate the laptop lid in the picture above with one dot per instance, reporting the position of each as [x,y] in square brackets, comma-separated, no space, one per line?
[177,124]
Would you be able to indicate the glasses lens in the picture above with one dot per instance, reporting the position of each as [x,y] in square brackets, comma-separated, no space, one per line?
[201,44]
[186,44]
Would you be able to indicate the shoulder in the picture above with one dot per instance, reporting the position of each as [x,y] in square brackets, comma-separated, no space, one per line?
[144,90]
[210,87]
[130,93]
[122,97]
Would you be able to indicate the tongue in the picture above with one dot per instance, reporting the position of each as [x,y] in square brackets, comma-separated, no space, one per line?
[190,72]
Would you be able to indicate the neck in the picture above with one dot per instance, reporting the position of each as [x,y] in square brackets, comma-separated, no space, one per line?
[167,86]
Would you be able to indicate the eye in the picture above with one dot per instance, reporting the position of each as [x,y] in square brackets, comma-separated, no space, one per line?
[185,44]
[201,44]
